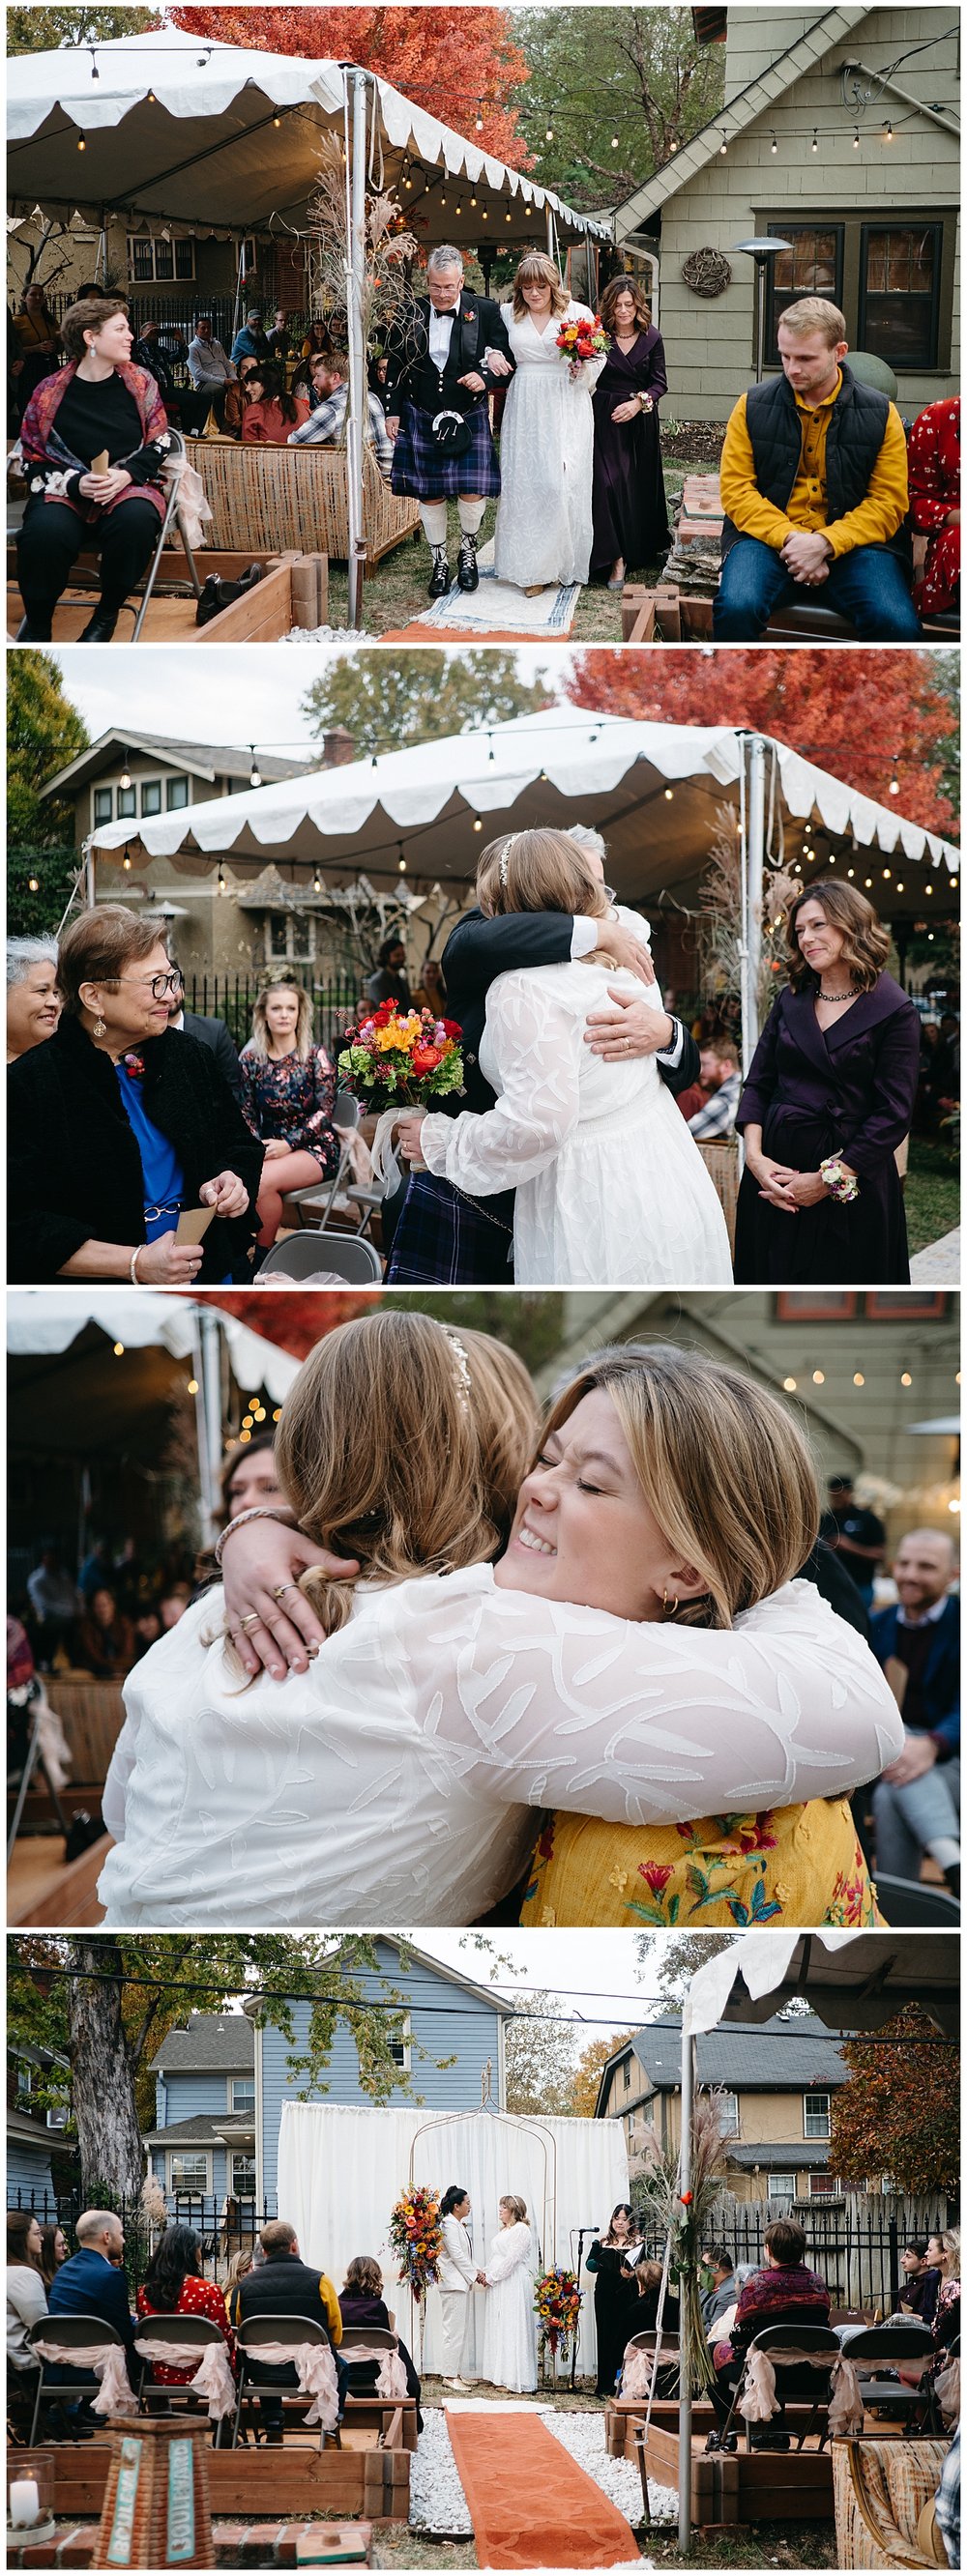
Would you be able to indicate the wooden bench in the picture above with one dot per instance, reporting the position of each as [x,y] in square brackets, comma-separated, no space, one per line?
[292,592]
[68,1897]
[296,498]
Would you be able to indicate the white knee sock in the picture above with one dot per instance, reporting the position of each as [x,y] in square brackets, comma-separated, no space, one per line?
[944,1850]
[434,517]
[470,514]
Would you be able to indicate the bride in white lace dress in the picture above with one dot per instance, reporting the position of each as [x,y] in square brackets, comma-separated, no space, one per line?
[509,2357]
[610,1185]
[543,532]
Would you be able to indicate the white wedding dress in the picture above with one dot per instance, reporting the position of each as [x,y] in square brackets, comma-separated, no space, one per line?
[393,1781]
[543,531]
[611,1189]
[509,2357]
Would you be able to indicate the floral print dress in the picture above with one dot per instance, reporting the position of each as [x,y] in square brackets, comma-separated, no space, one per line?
[789,1865]
[291,1097]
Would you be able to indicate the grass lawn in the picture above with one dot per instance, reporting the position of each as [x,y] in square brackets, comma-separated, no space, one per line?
[932,1192]
[396,591]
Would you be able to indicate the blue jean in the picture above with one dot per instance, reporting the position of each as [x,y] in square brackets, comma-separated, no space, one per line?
[869,586]
[906,1821]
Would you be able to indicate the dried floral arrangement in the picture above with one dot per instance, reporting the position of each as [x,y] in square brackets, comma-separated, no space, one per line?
[720,920]
[391,249]
[687,2218]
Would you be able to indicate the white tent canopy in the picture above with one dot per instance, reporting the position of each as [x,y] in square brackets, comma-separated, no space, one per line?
[341,2171]
[209,135]
[654,790]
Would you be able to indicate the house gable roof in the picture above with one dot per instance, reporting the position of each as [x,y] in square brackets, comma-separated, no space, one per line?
[776,2056]
[203,759]
[205,2129]
[221,2043]
[829,27]
[437,1968]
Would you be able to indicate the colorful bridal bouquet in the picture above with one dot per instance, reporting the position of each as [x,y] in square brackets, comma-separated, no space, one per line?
[403,1056]
[557,2307]
[416,2238]
[581,341]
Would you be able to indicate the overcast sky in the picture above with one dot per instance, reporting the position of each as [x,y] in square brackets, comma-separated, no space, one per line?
[233,696]
[594,1973]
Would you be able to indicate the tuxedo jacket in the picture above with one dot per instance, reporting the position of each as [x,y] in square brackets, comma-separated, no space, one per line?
[481,948]
[217,1037]
[940,1685]
[412,376]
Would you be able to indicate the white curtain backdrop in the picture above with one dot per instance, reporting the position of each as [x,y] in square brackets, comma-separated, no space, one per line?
[342,2170]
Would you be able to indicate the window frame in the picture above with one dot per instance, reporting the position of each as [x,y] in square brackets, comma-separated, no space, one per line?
[247,2082]
[185,242]
[831,2188]
[817,2093]
[98,796]
[127,803]
[292,954]
[790,231]
[726,2094]
[152,787]
[919,366]
[776,2186]
[404,2042]
[188,2190]
[176,804]
[242,2155]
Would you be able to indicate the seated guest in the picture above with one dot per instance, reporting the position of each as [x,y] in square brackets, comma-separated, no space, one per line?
[92,2284]
[236,398]
[283,2285]
[288,1089]
[933,463]
[250,341]
[97,405]
[37,340]
[721,1082]
[213,1034]
[725,2286]
[209,368]
[921,2265]
[814,491]
[647,2281]
[150,353]
[146,1629]
[104,1639]
[317,341]
[784,2293]
[174,2286]
[271,416]
[916,1803]
[54,1601]
[326,424]
[54,2250]
[119,1122]
[238,2271]
[26,2293]
[280,341]
[389,983]
[33,1001]
[361,2303]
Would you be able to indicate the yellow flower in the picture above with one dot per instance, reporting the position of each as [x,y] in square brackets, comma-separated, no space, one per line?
[548,1915]
[619,1879]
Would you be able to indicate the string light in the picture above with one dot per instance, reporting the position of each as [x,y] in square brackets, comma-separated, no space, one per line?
[125,777]
[317,883]
[905,1378]
[669,795]
[819,1377]
[900,885]
[888,132]
[790,1384]
[192,1386]
[615,143]
[723,147]
[255,774]
[856,138]
[773,147]
[477,824]
[33,885]
[814,146]
[858,1378]
[119,1350]
[246,1422]
[894,782]
[81,144]
[549,134]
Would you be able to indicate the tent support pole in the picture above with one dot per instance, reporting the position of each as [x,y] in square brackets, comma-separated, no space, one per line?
[549,214]
[208,1404]
[685,2385]
[357,350]
[753,870]
[90,896]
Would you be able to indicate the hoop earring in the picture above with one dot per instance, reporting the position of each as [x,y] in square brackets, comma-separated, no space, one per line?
[671,1607]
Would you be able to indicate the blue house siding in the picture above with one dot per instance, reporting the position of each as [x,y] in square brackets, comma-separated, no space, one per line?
[216,2189]
[178,2096]
[28,2169]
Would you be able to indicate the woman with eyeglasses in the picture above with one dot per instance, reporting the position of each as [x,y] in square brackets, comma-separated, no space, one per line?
[126,1125]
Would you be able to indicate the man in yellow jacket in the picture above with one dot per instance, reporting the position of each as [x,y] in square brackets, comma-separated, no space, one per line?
[814,491]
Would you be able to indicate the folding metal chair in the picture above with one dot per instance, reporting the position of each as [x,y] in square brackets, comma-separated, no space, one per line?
[374,2339]
[174,2329]
[81,2335]
[250,2335]
[887,2345]
[789,2375]
[349,1255]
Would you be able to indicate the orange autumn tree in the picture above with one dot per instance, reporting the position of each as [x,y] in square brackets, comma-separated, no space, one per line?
[899,2112]
[863,716]
[445,60]
[295,1318]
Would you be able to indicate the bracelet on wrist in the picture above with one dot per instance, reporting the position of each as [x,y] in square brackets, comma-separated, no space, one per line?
[133,1266]
[841,1183]
[256,1512]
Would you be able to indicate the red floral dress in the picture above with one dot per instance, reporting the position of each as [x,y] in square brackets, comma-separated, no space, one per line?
[198,2299]
[291,1098]
[934,472]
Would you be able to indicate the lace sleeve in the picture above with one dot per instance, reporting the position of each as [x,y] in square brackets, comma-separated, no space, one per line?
[550,1705]
[511,2249]
[537,1043]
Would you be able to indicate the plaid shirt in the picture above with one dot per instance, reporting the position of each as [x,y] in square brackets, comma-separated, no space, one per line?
[717,1118]
[325,425]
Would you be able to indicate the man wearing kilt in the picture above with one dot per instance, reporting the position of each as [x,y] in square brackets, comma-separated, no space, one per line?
[443,1238]
[451,352]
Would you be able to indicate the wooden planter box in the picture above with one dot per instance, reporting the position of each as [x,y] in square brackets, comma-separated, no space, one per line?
[295,499]
[261,616]
[727,2486]
[339,2485]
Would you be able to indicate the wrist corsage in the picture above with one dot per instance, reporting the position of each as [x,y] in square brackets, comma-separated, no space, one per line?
[841,1183]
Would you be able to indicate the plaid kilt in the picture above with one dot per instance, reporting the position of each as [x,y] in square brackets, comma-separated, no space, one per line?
[444,1240]
[422,469]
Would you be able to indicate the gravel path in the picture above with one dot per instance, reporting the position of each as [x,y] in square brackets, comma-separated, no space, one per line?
[437,2500]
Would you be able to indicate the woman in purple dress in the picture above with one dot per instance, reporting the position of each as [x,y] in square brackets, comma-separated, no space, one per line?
[288,1089]
[828,1099]
[628,500]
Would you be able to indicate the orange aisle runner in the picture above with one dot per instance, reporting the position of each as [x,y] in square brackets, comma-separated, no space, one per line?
[530,2503]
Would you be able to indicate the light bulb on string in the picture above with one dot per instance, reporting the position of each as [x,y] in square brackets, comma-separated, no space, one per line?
[814,146]
[126,862]
[905,1378]
[33,885]
[773,147]
[81,143]
[894,788]
[723,147]
[477,824]
[856,138]
[858,1378]
[125,777]
[255,774]
[819,1377]
[119,1350]
[549,134]
[317,883]
[95,74]
[888,132]
[790,1384]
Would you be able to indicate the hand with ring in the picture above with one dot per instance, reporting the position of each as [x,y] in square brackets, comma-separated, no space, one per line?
[274,1624]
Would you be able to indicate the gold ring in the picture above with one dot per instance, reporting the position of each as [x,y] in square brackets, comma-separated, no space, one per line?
[279,1588]
[254,1620]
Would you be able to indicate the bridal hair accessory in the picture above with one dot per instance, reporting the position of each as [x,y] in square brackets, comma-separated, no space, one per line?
[504,855]
[461,1370]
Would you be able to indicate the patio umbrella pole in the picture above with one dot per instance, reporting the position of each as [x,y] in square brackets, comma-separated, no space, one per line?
[357,349]
[684,2381]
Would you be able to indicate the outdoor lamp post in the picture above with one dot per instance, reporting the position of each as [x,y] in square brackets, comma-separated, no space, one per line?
[762,248]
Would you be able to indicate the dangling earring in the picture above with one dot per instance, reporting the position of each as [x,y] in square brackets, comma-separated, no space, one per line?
[100,1028]
[670,1606]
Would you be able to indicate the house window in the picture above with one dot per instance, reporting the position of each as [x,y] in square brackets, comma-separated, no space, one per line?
[152,259]
[781,2186]
[176,793]
[151,796]
[816,2121]
[729,2114]
[399,2047]
[823,2186]
[813,265]
[189,2169]
[242,2093]
[127,801]
[291,939]
[103,804]
[627,2074]
[899,293]
[242,2174]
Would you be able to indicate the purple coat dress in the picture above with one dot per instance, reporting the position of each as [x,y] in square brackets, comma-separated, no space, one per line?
[847,1090]
[628,494]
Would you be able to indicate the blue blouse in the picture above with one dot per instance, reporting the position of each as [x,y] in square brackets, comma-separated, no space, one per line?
[164,1180]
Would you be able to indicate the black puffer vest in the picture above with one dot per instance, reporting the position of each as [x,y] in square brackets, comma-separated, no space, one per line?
[853,442]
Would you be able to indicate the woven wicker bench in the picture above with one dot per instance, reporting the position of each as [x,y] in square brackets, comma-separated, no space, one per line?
[294,499]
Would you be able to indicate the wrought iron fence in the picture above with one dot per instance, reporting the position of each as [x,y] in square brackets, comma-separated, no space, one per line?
[858,2256]
[232,998]
[224,2227]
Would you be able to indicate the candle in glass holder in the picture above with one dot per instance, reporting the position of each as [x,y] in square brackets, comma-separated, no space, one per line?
[24,2500]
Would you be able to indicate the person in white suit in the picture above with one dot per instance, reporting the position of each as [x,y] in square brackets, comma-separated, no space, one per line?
[457,2275]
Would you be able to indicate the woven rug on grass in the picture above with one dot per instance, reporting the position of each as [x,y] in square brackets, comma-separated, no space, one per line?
[532,2506]
[497,604]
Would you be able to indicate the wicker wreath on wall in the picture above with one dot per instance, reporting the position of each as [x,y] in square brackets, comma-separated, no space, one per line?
[707,272]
